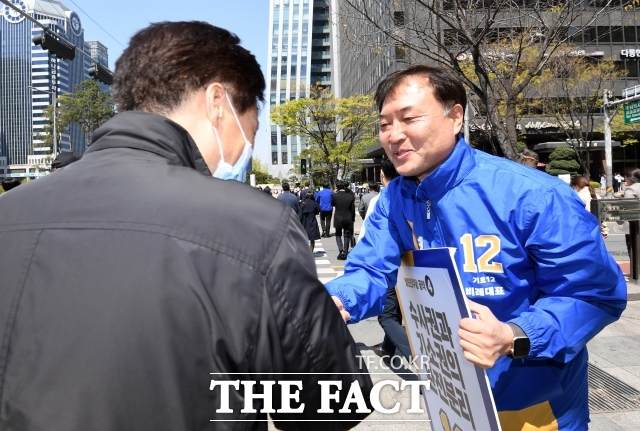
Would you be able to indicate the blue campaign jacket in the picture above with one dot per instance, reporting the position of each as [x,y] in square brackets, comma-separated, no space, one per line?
[526,248]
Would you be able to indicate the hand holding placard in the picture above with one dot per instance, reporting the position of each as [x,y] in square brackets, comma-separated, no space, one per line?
[484,339]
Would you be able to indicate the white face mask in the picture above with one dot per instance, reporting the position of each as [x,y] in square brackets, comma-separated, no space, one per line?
[238,171]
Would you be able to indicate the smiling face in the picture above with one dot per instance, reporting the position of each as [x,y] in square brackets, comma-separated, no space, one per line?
[414,130]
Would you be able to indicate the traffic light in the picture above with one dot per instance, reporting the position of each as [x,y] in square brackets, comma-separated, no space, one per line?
[56,46]
[101,73]
[303,166]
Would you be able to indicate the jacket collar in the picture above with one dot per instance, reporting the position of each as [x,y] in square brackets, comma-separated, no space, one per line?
[153,133]
[446,176]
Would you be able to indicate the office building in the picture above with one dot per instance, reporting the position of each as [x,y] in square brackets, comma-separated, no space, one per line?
[31,78]
[615,33]
[302,50]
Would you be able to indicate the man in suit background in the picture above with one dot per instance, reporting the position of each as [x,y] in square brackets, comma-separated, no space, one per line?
[344,217]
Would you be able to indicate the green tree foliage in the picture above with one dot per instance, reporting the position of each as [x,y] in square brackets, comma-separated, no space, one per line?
[261,171]
[336,131]
[570,90]
[89,106]
[563,161]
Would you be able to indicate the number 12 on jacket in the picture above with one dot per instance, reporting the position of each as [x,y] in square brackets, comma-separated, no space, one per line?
[483,263]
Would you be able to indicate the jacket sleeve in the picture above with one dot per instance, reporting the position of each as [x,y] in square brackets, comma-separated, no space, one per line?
[353,208]
[372,266]
[581,287]
[301,331]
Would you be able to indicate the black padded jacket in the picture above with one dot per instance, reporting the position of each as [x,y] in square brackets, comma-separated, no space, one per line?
[132,278]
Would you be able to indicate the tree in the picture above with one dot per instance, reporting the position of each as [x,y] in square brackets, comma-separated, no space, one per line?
[336,131]
[496,47]
[261,171]
[563,161]
[570,90]
[88,106]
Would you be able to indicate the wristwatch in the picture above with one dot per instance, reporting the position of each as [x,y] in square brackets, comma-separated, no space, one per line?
[521,344]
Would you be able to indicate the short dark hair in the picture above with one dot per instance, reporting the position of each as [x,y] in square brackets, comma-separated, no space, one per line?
[388,169]
[340,185]
[447,88]
[168,60]
[326,185]
[310,195]
[374,187]
[633,174]
[10,183]
[286,187]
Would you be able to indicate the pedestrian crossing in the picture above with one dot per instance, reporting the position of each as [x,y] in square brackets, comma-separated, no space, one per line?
[326,271]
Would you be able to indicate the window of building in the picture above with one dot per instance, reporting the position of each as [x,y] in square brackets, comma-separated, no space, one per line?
[285,157]
[283,71]
[398,18]
[274,157]
[604,34]
[274,71]
[629,34]
[401,52]
[616,35]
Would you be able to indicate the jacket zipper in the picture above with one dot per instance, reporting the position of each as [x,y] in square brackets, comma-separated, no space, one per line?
[428,210]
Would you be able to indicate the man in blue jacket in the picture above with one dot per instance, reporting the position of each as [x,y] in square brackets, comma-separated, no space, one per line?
[535,269]
[325,201]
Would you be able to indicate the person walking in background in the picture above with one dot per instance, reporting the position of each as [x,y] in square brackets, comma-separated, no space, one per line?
[603,183]
[632,182]
[309,209]
[343,219]
[374,188]
[302,194]
[289,198]
[585,190]
[324,198]
[617,182]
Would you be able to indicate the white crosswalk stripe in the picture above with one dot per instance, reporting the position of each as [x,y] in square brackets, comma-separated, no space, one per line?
[326,272]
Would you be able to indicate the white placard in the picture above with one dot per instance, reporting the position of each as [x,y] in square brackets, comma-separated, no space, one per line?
[432,301]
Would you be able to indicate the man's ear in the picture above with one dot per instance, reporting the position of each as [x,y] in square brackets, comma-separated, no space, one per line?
[215,98]
[457,115]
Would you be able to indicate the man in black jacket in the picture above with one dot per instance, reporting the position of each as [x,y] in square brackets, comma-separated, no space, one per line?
[138,282]
[344,218]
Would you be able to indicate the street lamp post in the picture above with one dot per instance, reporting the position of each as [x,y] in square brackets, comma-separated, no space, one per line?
[55,102]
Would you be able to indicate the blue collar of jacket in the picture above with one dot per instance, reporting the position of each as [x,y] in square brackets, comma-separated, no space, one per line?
[449,174]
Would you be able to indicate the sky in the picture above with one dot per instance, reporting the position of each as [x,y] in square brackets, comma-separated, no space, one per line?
[249,19]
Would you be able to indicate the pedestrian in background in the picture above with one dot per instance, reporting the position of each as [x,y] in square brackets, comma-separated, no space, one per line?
[374,188]
[585,190]
[632,182]
[309,209]
[303,193]
[143,273]
[324,198]
[289,198]
[617,180]
[345,216]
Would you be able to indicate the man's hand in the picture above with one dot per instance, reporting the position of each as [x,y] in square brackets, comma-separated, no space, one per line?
[346,316]
[484,339]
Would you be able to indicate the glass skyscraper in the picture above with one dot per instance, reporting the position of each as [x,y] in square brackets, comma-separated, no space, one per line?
[301,41]
[24,65]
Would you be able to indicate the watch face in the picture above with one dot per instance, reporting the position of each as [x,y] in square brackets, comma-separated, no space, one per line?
[76,27]
[11,14]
